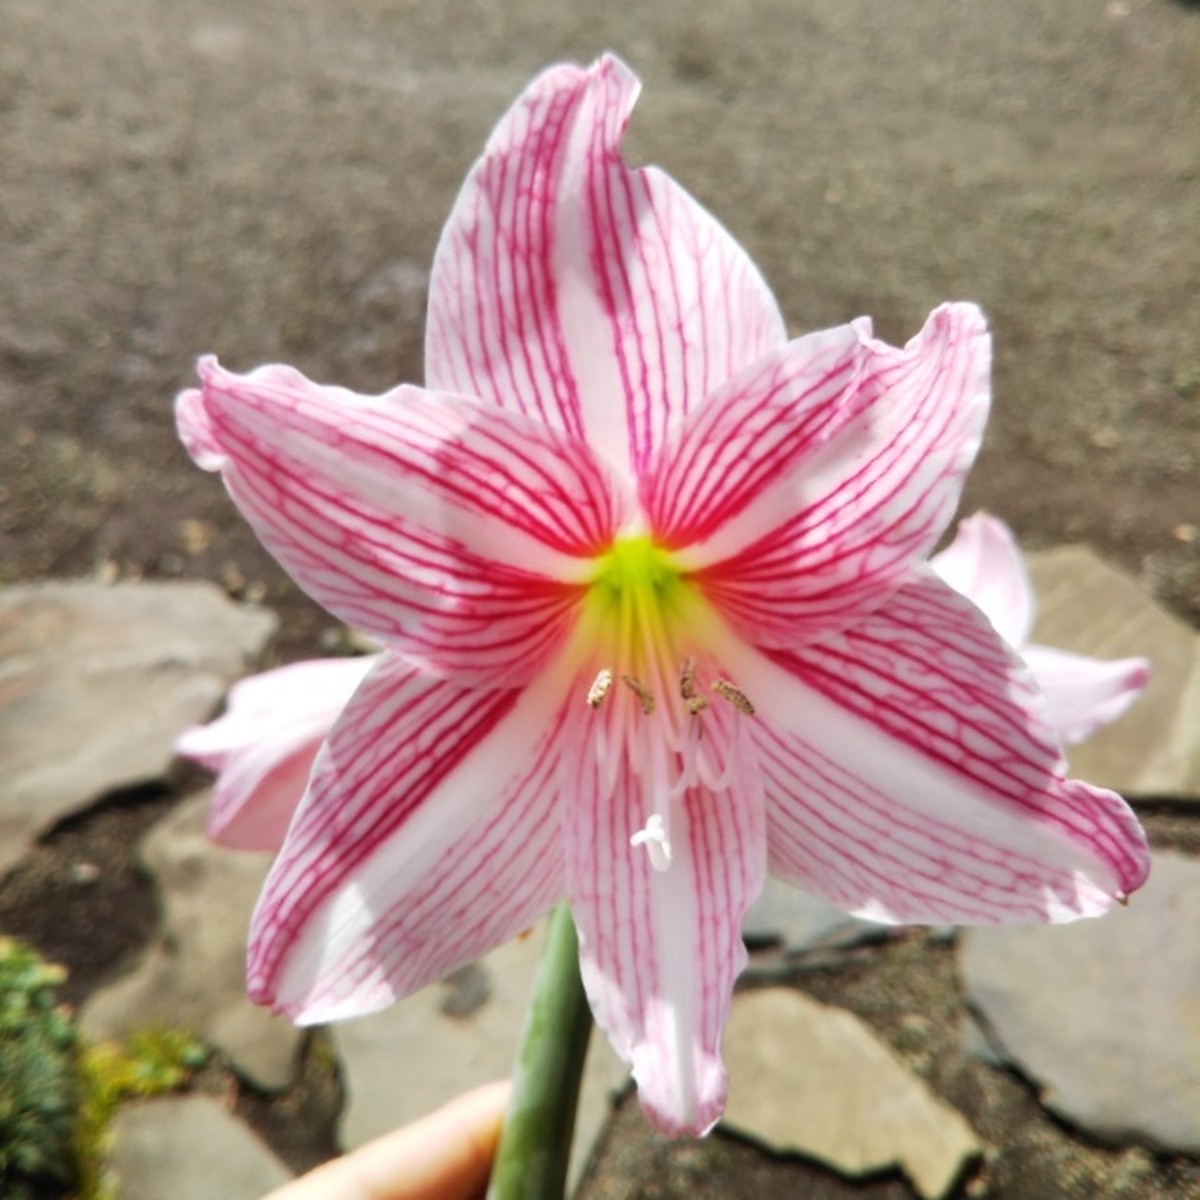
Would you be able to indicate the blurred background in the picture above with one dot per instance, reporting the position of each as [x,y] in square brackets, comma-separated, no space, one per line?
[267,182]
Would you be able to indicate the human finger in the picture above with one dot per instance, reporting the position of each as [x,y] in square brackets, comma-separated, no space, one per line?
[444,1156]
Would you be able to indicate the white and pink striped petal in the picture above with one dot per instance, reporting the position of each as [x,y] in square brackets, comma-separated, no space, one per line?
[1085,693]
[830,507]
[912,774]
[660,873]
[450,529]
[601,300]
[429,835]
[263,746]
[984,563]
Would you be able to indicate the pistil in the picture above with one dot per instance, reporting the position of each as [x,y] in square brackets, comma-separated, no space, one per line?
[654,838]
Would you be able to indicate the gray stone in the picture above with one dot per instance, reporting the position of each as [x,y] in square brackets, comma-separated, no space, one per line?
[96,681]
[800,922]
[838,1094]
[1103,1015]
[189,1148]
[402,1063]
[194,975]
[1088,607]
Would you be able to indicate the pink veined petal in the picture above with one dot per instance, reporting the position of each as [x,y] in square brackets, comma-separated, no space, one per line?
[262,707]
[984,563]
[262,747]
[863,505]
[911,775]
[660,950]
[449,529]
[1085,693]
[259,787]
[601,300]
[750,435]
[428,835]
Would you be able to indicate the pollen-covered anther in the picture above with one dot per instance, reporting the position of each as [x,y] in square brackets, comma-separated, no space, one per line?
[735,696]
[696,705]
[641,691]
[687,679]
[599,688]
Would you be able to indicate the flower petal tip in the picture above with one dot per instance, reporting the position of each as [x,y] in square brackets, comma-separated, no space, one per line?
[966,314]
[614,66]
[195,430]
[674,1113]
[1116,837]
[309,1005]
[196,744]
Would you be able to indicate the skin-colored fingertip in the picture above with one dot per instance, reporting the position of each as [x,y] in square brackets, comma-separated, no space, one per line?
[444,1156]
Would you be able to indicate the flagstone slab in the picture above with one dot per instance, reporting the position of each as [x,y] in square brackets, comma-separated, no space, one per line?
[97,680]
[1089,607]
[1104,1015]
[194,974]
[837,1094]
[400,1064]
[189,1148]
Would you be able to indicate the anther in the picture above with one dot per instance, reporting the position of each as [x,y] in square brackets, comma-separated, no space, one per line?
[696,704]
[599,688]
[736,697]
[641,691]
[654,838]
[687,680]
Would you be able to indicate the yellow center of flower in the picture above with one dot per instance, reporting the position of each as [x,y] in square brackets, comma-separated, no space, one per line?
[648,676]
[639,608]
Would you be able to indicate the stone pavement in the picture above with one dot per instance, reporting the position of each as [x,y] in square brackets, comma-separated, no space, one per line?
[189,1148]
[852,1103]
[1100,1015]
[97,681]
[1104,1015]
[193,974]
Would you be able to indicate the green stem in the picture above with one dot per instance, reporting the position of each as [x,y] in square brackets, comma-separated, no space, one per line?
[531,1163]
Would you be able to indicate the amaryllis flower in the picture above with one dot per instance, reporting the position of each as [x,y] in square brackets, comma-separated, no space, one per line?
[263,746]
[984,563]
[650,580]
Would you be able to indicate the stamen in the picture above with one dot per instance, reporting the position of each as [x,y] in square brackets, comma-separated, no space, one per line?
[737,698]
[641,691]
[696,704]
[599,688]
[654,838]
[687,681]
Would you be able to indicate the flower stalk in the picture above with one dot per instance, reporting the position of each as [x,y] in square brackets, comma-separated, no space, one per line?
[535,1145]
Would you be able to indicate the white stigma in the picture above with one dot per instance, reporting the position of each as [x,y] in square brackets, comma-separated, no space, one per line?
[654,838]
